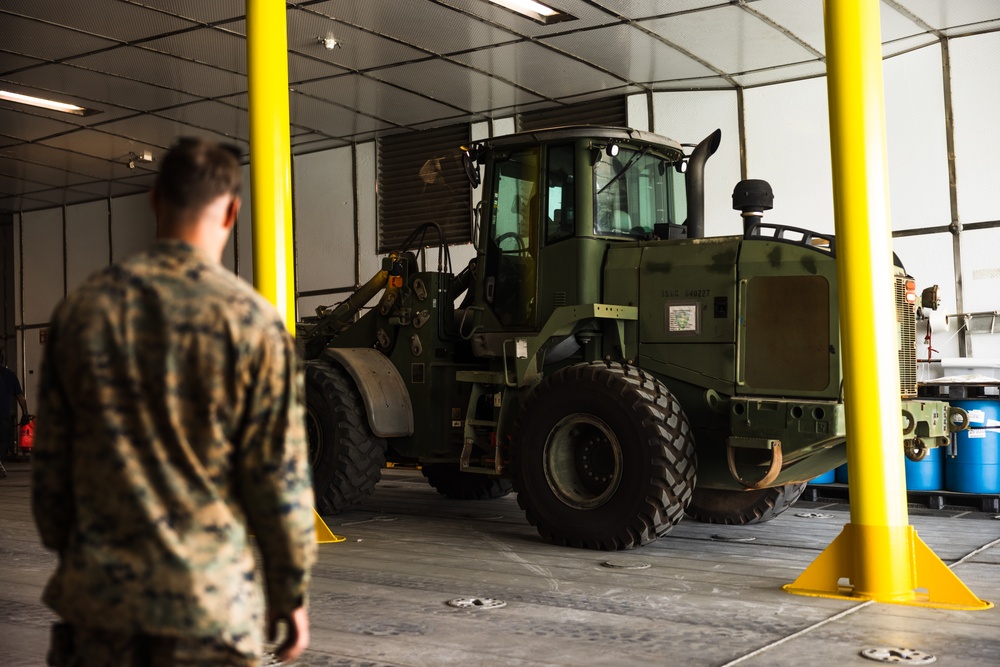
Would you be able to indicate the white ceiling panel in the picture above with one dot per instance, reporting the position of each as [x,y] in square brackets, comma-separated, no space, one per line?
[359,50]
[112,19]
[210,46]
[74,163]
[906,44]
[331,119]
[730,39]
[156,133]
[99,144]
[898,25]
[629,53]
[306,68]
[703,83]
[11,62]
[224,119]
[640,9]
[791,72]
[540,70]
[167,71]
[132,185]
[29,127]
[941,14]
[36,173]
[457,85]
[197,10]
[96,90]
[803,19]
[427,26]
[44,41]
[377,99]
[972,29]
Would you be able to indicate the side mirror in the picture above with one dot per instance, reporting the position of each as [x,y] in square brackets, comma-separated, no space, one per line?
[471,169]
[931,297]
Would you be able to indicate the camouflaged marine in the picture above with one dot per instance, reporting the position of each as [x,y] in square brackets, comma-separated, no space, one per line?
[171,429]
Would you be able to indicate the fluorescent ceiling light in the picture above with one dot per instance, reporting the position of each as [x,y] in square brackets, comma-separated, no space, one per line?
[535,11]
[44,103]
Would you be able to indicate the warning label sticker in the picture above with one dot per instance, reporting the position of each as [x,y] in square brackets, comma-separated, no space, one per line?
[682,318]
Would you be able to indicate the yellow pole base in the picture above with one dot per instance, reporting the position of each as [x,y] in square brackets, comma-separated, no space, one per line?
[323,533]
[932,583]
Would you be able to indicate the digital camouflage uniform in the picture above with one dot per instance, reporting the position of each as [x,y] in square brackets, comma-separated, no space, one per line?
[170,427]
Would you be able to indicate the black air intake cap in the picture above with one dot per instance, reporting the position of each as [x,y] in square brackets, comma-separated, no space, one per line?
[753,195]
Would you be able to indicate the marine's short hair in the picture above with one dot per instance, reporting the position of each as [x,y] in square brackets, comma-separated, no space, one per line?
[195,172]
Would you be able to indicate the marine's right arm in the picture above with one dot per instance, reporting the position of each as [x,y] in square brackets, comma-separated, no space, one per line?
[52,493]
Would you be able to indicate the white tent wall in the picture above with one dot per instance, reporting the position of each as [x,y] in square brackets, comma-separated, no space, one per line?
[42,273]
[689,117]
[788,145]
[87,240]
[324,198]
[133,225]
[786,142]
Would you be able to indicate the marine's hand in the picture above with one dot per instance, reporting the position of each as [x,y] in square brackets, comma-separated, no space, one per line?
[297,634]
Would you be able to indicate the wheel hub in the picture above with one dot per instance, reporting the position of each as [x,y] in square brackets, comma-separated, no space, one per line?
[314,433]
[583,461]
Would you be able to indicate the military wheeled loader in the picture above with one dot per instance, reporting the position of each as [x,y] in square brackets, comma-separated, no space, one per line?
[601,356]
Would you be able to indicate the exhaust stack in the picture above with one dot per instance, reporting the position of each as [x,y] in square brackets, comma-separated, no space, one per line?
[695,184]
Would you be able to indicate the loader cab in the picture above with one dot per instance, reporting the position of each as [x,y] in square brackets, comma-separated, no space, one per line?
[553,201]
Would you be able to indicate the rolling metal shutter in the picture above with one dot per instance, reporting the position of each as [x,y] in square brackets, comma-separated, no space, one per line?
[609,111]
[421,179]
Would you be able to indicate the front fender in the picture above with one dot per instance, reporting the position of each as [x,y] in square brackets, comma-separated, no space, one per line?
[387,401]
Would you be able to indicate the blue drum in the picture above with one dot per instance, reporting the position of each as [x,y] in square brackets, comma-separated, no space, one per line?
[976,466]
[926,475]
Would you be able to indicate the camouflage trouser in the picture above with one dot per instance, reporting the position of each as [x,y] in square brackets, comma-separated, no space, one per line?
[85,647]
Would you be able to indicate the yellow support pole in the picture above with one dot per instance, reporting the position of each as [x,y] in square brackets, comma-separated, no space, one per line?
[270,155]
[878,554]
[271,168]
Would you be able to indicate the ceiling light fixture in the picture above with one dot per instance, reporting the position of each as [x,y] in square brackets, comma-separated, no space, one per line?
[329,43]
[44,103]
[535,11]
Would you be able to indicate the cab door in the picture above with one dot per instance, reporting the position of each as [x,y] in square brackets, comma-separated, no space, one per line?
[510,277]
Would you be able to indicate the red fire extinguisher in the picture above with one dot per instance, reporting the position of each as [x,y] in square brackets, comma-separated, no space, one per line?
[26,434]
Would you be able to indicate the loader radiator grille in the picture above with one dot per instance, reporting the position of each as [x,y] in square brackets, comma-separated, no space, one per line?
[907,324]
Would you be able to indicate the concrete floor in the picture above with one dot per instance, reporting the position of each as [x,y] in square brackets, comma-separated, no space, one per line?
[380,597]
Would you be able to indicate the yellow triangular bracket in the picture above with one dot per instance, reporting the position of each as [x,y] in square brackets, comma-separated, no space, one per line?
[323,533]
[933,584]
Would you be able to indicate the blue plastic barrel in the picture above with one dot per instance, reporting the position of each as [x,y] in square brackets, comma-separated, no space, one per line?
[926,475]
[840,473]
[826,478]
[976,466]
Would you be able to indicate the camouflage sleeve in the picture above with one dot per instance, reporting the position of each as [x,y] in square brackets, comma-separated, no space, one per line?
[52,499]
[275,485]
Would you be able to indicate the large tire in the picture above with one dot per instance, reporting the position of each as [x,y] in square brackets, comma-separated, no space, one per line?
[603,458]
[742,507]
[346,458]
[453,483]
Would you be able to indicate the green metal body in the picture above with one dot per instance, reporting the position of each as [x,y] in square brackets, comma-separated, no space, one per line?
[744,331]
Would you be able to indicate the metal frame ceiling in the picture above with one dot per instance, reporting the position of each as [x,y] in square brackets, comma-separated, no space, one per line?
[158,69]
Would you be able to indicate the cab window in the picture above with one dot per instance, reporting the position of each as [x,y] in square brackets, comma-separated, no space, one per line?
[512,248]
[632,193]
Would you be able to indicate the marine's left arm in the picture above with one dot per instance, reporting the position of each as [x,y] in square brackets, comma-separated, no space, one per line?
[275,484]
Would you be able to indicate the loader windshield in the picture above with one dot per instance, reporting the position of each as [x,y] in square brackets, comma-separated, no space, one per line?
[635,190]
